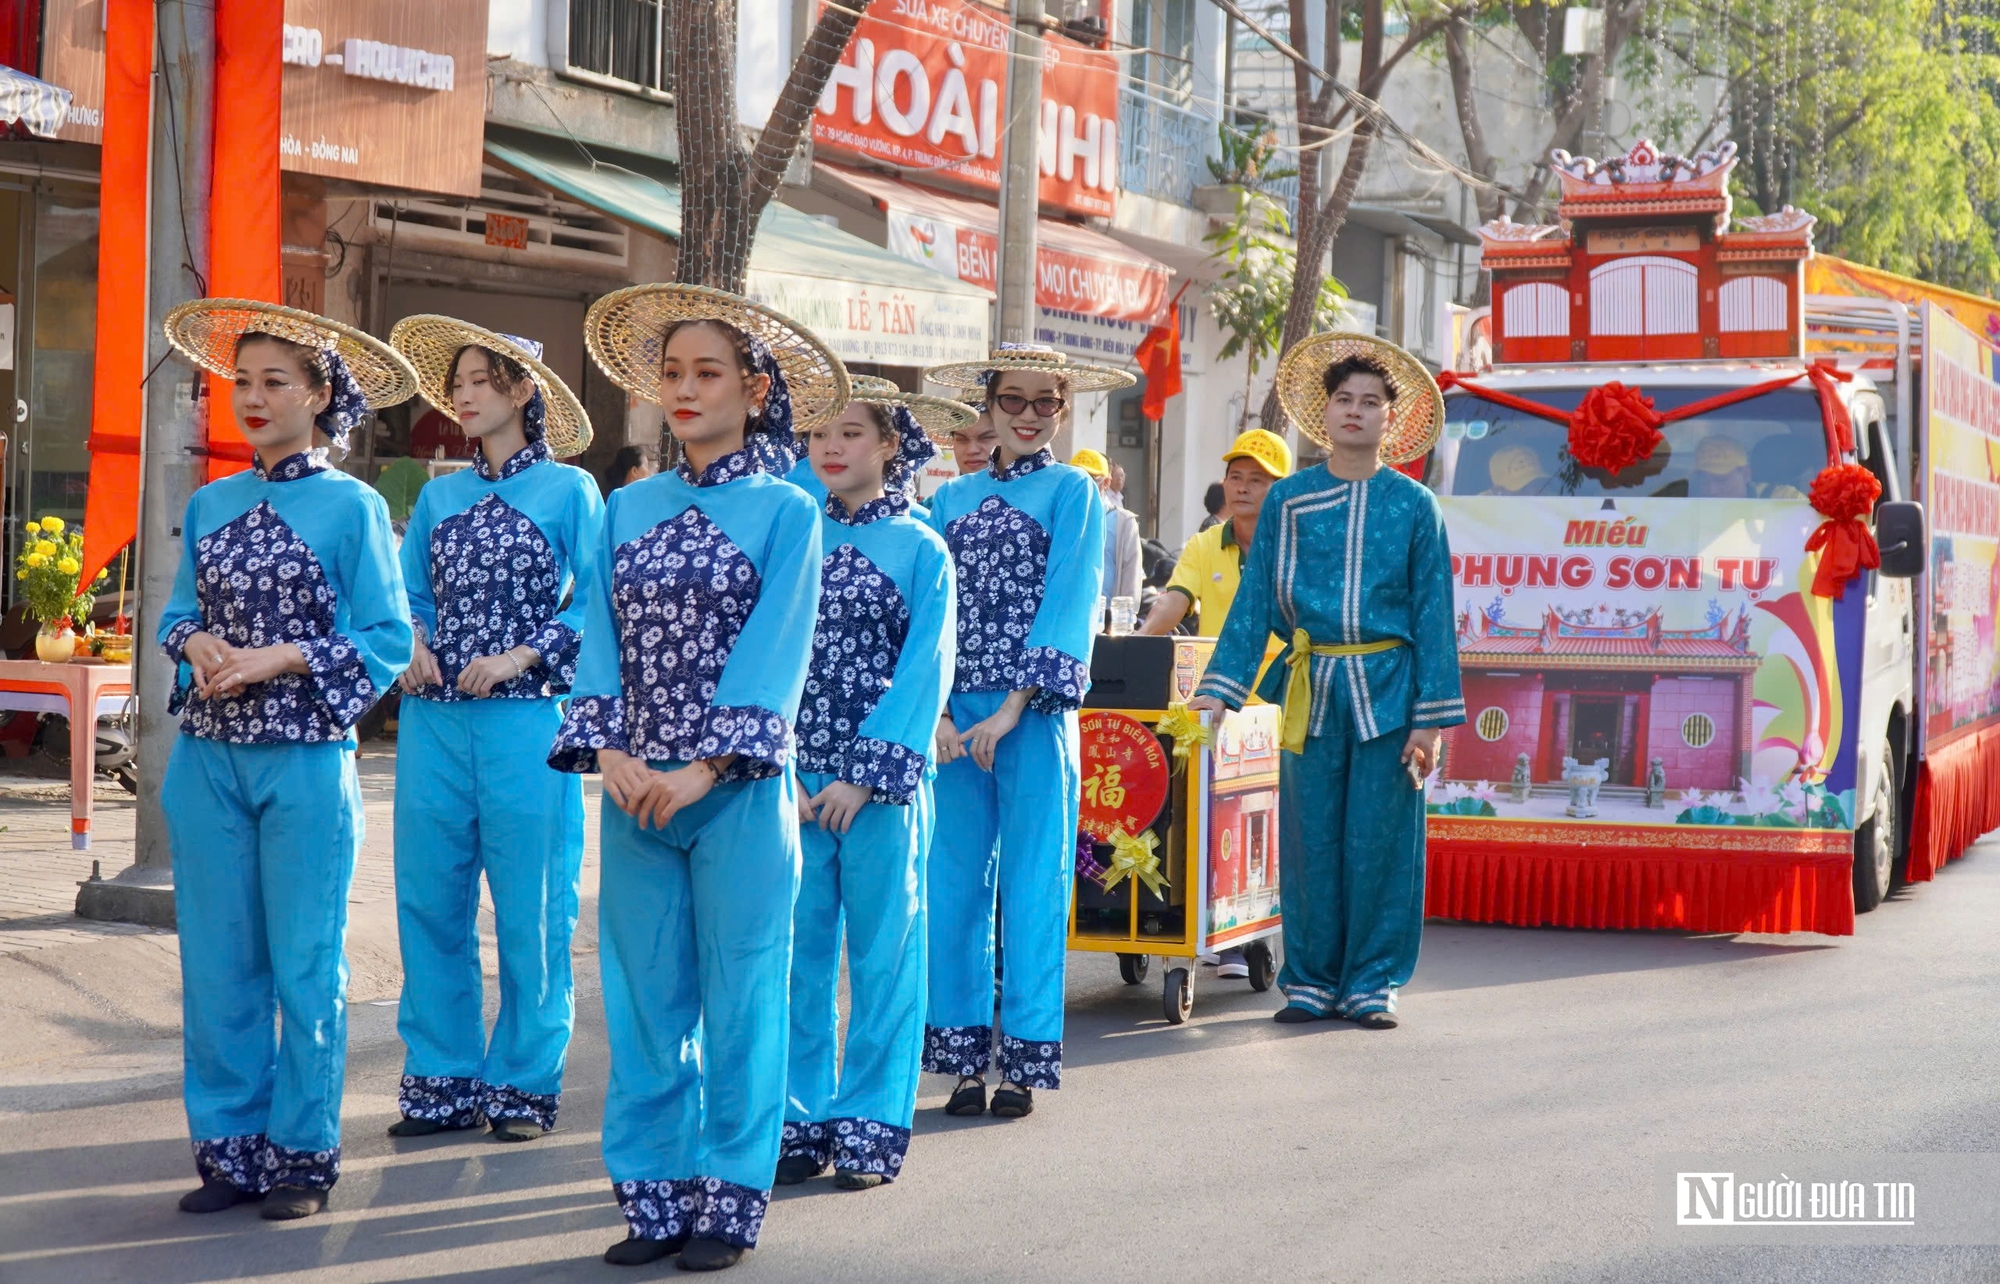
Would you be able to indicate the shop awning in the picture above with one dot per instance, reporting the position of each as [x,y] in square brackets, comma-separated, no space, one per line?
[865,302]
[1077,269]
[35,105]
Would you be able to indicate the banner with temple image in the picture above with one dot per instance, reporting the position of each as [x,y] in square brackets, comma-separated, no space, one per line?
[1647,662]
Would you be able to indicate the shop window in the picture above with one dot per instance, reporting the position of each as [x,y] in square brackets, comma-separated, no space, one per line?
[1492,723]
[539,227]
[1697,729]
[1164,29]
[623,40]
[60,335]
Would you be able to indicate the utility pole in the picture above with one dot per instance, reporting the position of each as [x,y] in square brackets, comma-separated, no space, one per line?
[176,426]
[1021,176]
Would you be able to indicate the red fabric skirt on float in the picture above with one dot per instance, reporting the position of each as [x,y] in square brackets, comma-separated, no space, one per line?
[1958,799]
[1690,878]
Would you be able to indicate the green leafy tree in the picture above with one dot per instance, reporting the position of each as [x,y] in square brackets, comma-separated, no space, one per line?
[1254,294]
[1878,116]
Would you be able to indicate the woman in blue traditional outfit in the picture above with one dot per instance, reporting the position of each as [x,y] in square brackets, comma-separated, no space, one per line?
[287,621]
[1027,540]
[1351,569]
[698,633]
[881,669]
[490,552]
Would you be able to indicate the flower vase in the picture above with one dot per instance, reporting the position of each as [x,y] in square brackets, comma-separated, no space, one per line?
[55,643]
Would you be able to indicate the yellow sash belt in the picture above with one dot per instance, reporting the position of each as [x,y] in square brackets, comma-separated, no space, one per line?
[1298,687]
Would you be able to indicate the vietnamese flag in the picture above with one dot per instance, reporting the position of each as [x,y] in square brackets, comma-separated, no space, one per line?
[1159,356]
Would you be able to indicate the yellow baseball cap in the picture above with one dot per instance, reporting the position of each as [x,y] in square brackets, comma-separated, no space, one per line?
[1264,448]
[1091,462]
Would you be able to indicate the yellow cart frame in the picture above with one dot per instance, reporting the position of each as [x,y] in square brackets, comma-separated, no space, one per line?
[1185,863]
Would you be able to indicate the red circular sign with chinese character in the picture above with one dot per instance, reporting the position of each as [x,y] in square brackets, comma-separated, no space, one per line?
[1125,774]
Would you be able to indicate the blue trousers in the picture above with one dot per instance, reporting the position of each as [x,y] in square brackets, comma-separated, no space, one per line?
[1351,881]
[695,935]
[872,878]
[264,839]
[1014,827]
[474,793]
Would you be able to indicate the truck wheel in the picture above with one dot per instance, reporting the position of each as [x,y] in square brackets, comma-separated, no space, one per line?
[1875,842]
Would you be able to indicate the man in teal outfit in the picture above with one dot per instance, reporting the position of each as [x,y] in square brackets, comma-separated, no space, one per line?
[1351,568]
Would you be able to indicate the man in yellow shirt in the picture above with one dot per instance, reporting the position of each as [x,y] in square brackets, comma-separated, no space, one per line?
[1212,560]
[1211,565]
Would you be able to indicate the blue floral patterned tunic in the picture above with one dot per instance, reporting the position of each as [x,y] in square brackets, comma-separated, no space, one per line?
[882,649]
[1380,570]
[300,553]
[487,559]
[704,594]
[1027,541]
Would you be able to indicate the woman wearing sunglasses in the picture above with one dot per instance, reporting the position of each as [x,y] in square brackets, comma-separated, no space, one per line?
[1027,540]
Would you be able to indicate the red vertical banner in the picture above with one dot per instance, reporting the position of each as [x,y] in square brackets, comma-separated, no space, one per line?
[111,510]
[245,191]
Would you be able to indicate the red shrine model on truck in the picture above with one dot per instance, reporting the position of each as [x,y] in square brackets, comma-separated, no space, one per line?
[1717,676]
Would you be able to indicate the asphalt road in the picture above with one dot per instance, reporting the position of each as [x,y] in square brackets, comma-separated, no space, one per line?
[1514,1129]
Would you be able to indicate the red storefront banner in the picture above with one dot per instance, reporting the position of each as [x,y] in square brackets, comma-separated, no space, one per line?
[923,86]
[1076,269]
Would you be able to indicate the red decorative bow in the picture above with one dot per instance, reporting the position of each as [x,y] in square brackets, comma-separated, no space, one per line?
[1613,428]
[1843,494]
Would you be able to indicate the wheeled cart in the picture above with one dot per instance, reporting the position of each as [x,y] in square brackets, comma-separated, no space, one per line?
[1176,858]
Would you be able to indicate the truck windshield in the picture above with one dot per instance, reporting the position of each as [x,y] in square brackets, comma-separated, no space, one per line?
[1769,447]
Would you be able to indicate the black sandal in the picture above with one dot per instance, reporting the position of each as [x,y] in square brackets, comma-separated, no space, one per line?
[634,1251]
[289,1203]
[709,1255]
[846,1180]
[214,1196]
[1013,1102]
[517,1130]
[969,1098]
[794,1169]
[1376,1020]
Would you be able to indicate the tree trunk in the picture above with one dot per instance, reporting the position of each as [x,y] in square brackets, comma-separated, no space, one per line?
[724,187]
[1478,157]
[1316,240]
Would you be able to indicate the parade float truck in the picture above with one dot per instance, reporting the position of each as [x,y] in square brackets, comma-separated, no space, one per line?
[1718,674]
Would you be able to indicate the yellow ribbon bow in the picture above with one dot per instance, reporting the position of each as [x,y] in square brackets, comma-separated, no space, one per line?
[1136,858]
[1183,727]
[1299,684]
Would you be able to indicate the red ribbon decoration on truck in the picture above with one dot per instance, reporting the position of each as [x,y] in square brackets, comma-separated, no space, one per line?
[1615,426]
[1843,494]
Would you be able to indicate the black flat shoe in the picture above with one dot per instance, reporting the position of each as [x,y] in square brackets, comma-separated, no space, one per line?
[793,1169]
[1376,1020]
[408,1127]
[1012,1102]
[709,1255]
[969,1098]
[1294,1016]
[214,1196]
[516,1130]
[289,1203]
[858,1181]
[637,1252]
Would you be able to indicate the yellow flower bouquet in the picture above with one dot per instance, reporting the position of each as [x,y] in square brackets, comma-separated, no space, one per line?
[46,569]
